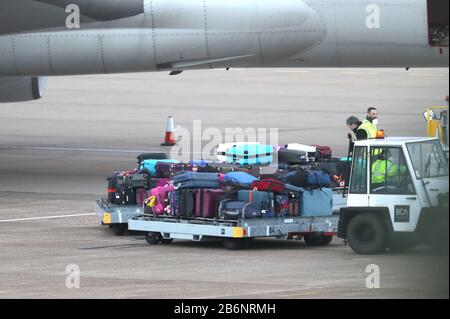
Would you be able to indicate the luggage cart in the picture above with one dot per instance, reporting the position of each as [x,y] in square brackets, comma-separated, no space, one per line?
[316,231]
[115,216]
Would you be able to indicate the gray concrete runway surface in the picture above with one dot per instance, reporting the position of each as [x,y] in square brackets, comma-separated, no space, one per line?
[55,154]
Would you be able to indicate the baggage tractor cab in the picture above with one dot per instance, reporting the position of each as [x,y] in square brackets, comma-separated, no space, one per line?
[398,196]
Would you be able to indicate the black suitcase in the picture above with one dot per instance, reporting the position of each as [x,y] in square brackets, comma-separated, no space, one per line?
[292,157]
[297,178]
[127,196]
[115,182]
[186,198]
[137,181]
[113,188]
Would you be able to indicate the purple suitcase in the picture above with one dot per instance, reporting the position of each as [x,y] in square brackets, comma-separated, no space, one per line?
[207,202]
[169,170]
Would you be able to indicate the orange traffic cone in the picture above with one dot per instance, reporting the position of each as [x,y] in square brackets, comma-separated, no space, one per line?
[170,133]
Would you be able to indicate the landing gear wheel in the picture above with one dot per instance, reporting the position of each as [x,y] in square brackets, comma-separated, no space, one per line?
[234,243]
[153,238]
[366,234]
[119,229]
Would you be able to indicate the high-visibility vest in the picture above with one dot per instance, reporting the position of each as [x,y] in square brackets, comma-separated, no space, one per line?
[382,169]
[370,128]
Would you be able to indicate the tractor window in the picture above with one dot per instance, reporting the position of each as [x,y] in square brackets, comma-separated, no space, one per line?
[428,159]
[389,172]
[358,183]
[438,22]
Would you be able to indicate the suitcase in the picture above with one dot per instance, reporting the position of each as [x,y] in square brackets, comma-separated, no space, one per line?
[310,150]
[295,178]
[223,148]
[169,170]
[292,191]
[261,200]
[250,155]
[150,165]
[293,207]
[157,199]
[197,180]
[316,202]
[319,179]
[292,157]
[207,202]
[324,152]
[282,205]
[186,202]
[268,185]
[141,194]
[158,182]
[151,156]
[137,180]
[240,178]
[174,205]
[127,196]
[235,210]
[199,163]
[115,182]
[206,169]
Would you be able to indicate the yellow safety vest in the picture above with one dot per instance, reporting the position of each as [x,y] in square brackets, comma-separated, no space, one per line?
[382,169]
[370,128]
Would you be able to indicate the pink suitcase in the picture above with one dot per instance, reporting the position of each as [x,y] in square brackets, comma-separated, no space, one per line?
[160,195]
[140,196]
[207,202]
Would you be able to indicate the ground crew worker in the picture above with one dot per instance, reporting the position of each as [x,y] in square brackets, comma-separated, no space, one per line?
[354,124]
[383,168]
[369,125]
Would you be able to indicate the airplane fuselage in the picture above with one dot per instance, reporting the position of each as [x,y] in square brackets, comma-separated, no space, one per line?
[155,35]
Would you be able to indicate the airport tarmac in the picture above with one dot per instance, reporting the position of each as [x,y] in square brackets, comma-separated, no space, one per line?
[55,154]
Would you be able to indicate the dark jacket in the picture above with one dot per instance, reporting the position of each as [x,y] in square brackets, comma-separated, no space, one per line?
[360,135]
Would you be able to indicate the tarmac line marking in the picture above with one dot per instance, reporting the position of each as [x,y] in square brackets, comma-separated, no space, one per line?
[68,149]
[292,71]
[428,75]
[303,294]
[45,217]
[359,73]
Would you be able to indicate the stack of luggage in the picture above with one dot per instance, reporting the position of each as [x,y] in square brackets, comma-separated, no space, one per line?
[228,191]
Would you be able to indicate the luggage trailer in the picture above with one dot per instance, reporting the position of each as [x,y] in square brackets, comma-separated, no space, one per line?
[317,231]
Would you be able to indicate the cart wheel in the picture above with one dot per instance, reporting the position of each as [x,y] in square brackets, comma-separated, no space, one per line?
[314,240]
[234,243]
[167,241]
[152,238]
[119,229]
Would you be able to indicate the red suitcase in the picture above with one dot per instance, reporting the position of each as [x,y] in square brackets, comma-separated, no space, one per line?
[207,202]
[268,185]
[324,151]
